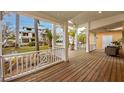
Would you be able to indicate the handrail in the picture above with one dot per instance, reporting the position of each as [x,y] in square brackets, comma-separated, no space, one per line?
[17,54]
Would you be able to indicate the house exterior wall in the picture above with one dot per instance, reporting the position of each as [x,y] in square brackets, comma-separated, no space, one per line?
[92,38]
[92,41]
[116,35]
[30,35]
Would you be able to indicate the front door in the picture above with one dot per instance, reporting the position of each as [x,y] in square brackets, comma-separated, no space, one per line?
[106,40]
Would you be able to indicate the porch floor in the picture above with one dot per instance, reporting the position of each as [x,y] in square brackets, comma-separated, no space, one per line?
[88,67]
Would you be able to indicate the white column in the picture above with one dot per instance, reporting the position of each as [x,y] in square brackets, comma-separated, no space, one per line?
[17,30]
[76,40]
[1,62]
[20,39]
[1,28]
[95,39]
[88,38]
[1,37]
[65,28]
[53,36]
[36,34]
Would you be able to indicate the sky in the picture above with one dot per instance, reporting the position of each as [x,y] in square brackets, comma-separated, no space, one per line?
[24,21]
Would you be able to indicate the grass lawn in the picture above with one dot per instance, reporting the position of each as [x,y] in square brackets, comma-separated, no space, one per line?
[22,49]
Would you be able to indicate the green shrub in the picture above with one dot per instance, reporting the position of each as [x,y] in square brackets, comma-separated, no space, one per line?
[59,41]
[31,44]
[82,38]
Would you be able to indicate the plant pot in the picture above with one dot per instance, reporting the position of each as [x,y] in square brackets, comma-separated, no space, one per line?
[122,51]
[72,47]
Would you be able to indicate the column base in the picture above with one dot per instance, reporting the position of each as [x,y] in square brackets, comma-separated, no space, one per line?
[87,51]
[66,60]
[1,80]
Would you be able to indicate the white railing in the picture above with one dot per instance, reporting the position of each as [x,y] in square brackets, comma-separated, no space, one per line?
[92,47]
[20,64]
[82,46]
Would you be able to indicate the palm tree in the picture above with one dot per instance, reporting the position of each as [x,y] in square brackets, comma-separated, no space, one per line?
[82,38]
[72,34]
[49,37]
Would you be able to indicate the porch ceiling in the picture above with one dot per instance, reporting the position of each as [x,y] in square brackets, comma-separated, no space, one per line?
[77,17]
[62,15]
[84,17]
[111,26]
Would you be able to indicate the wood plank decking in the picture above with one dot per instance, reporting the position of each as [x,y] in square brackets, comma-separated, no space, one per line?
[88,67]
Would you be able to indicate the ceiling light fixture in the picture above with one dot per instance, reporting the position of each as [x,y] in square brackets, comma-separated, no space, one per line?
[82,28]
[118,28]
[70,22]
[99,12]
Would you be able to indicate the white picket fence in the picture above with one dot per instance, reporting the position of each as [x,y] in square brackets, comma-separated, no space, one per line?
[17,65]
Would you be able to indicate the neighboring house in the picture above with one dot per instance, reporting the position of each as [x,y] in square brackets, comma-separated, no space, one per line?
[59,39]
[27,34]
[60,34]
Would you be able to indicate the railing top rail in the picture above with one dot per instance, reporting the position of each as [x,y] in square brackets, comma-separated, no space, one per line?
[92,44]
[59,47]
[27,53]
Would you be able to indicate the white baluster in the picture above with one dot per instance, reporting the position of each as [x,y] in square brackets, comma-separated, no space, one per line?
[34,60]
[55,55]
[26,63]
[22,64]
[10,66]
[30,62]
[59,53]
[17,66]
[62,54]
[48,57]
[2,68]
[37,59]
[52,55]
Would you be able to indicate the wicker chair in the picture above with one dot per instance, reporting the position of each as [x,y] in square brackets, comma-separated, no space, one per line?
[112,50]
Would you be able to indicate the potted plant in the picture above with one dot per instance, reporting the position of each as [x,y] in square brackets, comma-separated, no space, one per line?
[81,38]
[72,34]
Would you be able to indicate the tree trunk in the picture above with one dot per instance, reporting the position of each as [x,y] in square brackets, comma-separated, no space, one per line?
[36,34]
[50,43]
[17,31]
